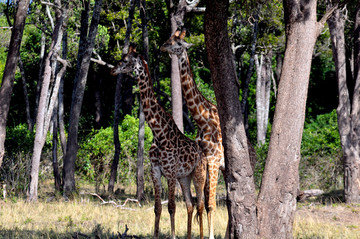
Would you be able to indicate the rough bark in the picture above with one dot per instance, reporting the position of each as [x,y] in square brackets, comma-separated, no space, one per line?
[277,198]
[118,100]
[87,42]
[352,159]
[239,175]
[9,71]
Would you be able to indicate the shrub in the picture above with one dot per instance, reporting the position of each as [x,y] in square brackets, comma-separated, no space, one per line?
[96,154]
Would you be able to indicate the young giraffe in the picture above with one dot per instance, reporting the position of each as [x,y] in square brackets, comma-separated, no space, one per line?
[172,154]
[206,117]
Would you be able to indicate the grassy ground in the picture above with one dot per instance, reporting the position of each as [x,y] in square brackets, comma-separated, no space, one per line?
[86,217]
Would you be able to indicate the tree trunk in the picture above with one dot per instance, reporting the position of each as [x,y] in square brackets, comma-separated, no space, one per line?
[26,96]
[40,75]
[61,100]
[263,83]
[277,198]
[140,181]
[87,42]
[117,144]
[239,174]
[55,161]
[9,71]
[140,156]
[45,109]
[244,101]
[352,160]
[119,81]
[176,19]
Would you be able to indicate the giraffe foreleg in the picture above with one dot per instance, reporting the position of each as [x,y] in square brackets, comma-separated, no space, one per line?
[156,178]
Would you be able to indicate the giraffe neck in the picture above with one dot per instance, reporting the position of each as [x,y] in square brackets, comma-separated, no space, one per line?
[157,118]
[197,104]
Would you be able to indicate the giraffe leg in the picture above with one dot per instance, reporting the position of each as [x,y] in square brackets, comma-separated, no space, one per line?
[156,178]
[199,183]
[213,170]
[185,186]
[171,204]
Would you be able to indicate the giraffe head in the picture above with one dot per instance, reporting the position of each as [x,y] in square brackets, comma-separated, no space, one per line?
[176,44]
[128,63]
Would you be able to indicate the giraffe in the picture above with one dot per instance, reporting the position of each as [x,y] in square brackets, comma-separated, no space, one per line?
[172,154]
[206,116]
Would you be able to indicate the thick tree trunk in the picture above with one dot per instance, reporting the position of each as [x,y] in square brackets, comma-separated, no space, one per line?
[9,71]
[277,198]
[239,174]
[352,161]
[87,42]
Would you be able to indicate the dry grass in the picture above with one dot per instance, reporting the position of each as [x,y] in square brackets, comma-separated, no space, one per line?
[85,217]
[66,219]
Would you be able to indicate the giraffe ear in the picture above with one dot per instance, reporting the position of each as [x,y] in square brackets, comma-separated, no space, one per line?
[183,34]
[177,33]
[132,48]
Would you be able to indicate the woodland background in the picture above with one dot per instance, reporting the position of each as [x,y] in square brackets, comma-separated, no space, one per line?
[257,35]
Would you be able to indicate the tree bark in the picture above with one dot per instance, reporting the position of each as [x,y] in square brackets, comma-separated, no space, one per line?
[352,151]
[9,71]
[239,174]
[87,42]
[277,198]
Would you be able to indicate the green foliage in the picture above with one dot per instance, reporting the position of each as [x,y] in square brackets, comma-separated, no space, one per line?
[96,154]
[321,136]
[19,139]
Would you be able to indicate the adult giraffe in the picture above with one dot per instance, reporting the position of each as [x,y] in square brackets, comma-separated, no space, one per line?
[172,154]
[207,119]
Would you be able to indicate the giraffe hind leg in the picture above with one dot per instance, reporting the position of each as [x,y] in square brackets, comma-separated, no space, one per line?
[185,186]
